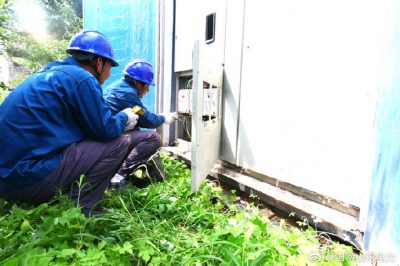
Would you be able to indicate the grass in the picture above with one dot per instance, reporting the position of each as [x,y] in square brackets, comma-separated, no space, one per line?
[4,90]
[163,224]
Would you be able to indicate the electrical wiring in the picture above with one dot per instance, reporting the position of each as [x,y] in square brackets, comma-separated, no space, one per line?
[190,124]
[189,84]
[186,126]
[184,123]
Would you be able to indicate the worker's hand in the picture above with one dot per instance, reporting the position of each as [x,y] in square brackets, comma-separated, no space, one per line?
[169,117]
[130,126]
[132,119]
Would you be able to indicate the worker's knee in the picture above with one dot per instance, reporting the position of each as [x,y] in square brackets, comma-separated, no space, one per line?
[156,137]
[125,140]
[119,147]
[155,140]
[147,136]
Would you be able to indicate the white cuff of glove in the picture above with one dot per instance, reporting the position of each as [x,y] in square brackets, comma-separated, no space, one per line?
[130,126]
[132,119]
[169,118]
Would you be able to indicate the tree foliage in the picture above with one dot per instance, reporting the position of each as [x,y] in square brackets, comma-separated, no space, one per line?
[6,32]
[64,17]
[32,55]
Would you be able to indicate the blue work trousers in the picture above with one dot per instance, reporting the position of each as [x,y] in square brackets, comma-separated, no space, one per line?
[97,161]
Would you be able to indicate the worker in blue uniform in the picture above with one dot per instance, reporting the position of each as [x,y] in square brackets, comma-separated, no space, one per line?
[56,128]
[128,91]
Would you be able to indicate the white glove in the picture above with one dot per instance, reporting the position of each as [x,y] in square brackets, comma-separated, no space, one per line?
[132,119]
[130,126]
[169,117]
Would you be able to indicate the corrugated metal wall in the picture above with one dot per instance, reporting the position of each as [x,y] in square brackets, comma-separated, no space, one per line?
[131,29]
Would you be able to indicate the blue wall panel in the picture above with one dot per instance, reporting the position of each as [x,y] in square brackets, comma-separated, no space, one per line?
[383,222]
[131,28]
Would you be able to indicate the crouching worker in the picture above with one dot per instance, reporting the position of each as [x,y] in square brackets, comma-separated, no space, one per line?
[55,126]
[126,92]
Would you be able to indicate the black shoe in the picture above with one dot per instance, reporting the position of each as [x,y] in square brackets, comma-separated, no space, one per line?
[118,181]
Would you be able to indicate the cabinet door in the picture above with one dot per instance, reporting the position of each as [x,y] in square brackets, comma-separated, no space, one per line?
[206,125]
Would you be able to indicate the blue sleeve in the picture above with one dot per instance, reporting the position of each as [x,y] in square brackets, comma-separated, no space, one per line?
[93,113]
[120,95]
[148,119]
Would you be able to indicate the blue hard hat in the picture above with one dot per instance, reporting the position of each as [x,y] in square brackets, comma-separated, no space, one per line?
[94,42]
[140,70]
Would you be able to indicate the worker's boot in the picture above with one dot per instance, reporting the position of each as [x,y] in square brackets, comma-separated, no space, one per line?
[140,177]
[118,181]
[148,172]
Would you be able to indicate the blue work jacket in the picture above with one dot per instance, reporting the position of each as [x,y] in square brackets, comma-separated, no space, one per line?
[60,105]
[120,95]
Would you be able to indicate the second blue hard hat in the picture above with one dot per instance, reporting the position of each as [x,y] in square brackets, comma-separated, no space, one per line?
[94,42]
[140,70]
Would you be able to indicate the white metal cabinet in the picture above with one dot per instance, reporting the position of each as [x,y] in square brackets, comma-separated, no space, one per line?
[190,23]
[310,74]
[232,79]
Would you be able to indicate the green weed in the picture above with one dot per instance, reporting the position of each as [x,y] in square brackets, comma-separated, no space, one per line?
[163,224]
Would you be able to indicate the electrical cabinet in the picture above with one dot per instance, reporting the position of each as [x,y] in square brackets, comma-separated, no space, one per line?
[185,101]
[211,102]
[184,107]
[211,105]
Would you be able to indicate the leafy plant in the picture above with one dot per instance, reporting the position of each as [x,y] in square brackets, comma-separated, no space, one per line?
[6,32]
[64,17]
[163,224]
[32,55]
[4,90]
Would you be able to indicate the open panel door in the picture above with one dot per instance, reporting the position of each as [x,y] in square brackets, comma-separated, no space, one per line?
[206,119]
